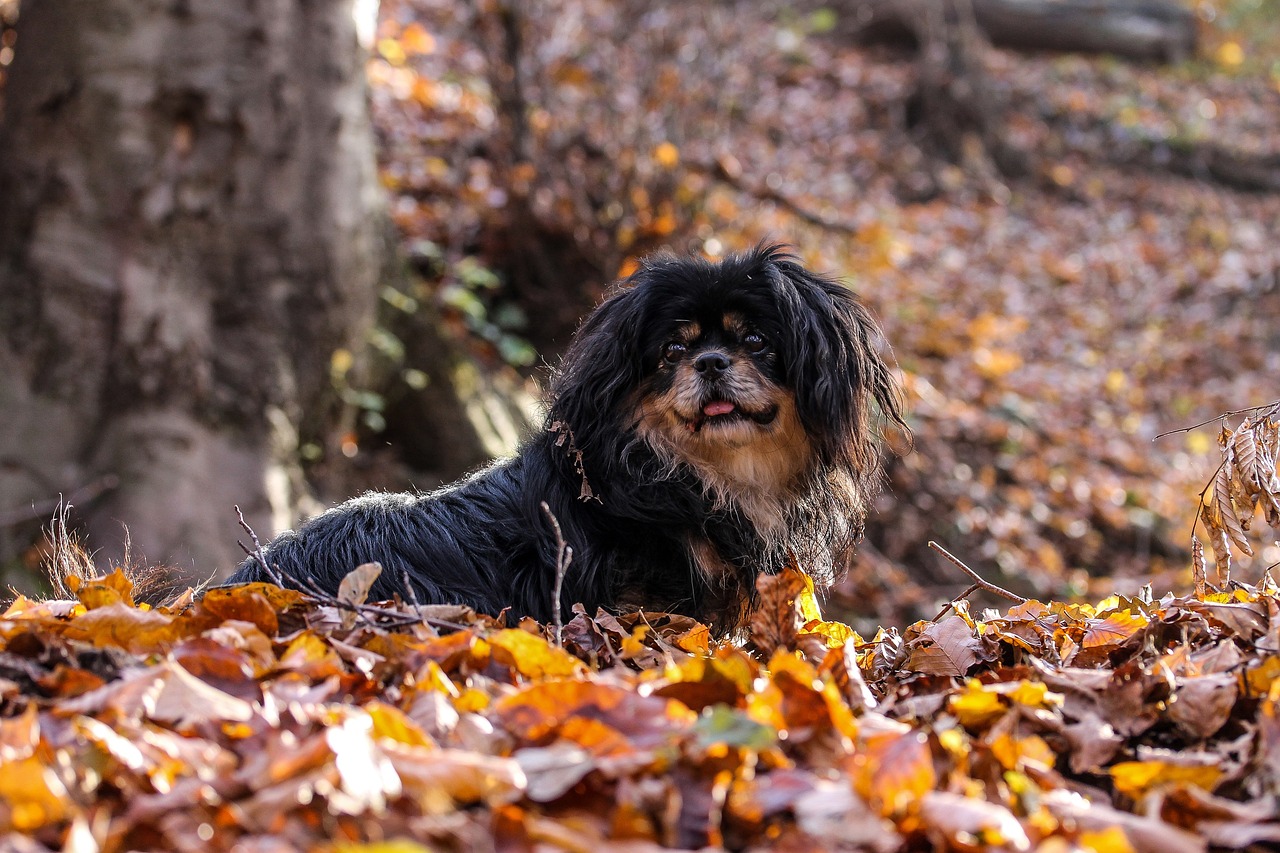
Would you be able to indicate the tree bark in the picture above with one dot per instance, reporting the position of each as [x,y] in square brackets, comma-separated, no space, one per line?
[189,229]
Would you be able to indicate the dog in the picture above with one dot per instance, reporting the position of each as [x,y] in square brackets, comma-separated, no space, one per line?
[710,422]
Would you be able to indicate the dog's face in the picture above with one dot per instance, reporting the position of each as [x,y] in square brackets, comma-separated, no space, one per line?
[754,374]
[715,394]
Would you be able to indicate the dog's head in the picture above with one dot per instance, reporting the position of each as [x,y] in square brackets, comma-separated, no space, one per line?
[759,378]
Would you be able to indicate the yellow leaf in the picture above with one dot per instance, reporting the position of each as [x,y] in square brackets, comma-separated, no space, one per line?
[1261,678]
[31,795]
[807,602]
[1229,54]
[109,589]
[1014,753]
[1198,443]
[1062,175]
[994,363]
[391,50]
[398,845]
[835,634]
[894,770]
[1034,694]
[634,645]
[666,155]
[532,656]
[1135,778]
[1113,630]
[471,700]
[976,707]
[393,724]
[1109,840]
[310,655]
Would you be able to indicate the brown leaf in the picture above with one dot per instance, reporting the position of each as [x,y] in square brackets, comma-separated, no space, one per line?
[1146,834]
[1203,705]
[126,627]
[185,700]
[247,603]
[355,586]
[948,647]
[964,821]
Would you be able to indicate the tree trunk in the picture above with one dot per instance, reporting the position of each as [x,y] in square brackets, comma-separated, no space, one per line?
[189,229]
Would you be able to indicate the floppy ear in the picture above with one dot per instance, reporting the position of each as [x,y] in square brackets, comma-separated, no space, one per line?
[602,367]
[832,364]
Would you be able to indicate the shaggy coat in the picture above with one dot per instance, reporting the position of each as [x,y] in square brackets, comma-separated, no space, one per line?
[710,422]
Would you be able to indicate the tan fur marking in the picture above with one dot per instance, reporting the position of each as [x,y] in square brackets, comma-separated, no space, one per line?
[754,466]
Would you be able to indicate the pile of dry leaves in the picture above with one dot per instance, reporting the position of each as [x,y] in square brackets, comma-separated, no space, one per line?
[259,719]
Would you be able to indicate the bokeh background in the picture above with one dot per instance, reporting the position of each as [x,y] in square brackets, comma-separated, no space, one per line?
[272,256]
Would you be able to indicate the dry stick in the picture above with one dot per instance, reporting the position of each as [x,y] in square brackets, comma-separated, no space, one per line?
[978,581]
[1269,406]
[952,603]
[257,552]
[413,593]
[564,556]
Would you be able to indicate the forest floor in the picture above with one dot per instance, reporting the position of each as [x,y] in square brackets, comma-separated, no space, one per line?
[1049,327]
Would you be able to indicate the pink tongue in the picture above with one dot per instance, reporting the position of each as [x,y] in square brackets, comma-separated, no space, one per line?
[713,409]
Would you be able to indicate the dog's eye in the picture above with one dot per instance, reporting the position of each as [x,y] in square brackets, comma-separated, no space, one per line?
[673,352]
[754,342]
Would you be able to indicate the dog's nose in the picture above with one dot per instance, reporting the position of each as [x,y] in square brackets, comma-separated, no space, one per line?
[711,364]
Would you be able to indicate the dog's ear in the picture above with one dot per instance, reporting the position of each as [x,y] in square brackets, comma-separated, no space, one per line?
[602,367]
[832,363]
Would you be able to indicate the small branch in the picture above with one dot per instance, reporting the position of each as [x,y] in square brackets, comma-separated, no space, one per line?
[564,556]
[952,603]
[413,593]
[257,552]
[1271,409]
[978,580]
[733,178]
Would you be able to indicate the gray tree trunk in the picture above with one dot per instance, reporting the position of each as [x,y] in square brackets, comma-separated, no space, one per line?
[189,229]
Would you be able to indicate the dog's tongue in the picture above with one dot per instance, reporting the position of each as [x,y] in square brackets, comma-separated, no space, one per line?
[718,408]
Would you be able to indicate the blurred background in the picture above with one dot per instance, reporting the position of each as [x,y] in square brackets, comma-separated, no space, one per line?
[270,255]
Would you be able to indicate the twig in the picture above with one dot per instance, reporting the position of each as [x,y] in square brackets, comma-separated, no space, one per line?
[978,580]
[413,593]
[952,603]
[1274,405]
[564,556]
[767,193]
[257,552]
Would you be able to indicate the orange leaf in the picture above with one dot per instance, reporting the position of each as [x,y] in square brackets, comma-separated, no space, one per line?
[894,770]
[1113,630]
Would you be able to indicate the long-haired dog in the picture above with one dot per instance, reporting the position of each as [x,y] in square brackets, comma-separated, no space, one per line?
[711,422]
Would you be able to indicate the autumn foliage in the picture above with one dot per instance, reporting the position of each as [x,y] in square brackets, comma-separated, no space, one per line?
[256,718]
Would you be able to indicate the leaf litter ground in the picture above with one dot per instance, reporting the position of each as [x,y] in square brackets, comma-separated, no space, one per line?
[259,719]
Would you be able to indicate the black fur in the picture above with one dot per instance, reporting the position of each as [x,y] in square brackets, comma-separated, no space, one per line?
[630,515]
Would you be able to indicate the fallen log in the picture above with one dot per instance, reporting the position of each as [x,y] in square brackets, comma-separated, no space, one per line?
[1159,30]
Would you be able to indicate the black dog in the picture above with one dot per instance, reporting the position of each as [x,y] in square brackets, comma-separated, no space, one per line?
[711,422]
